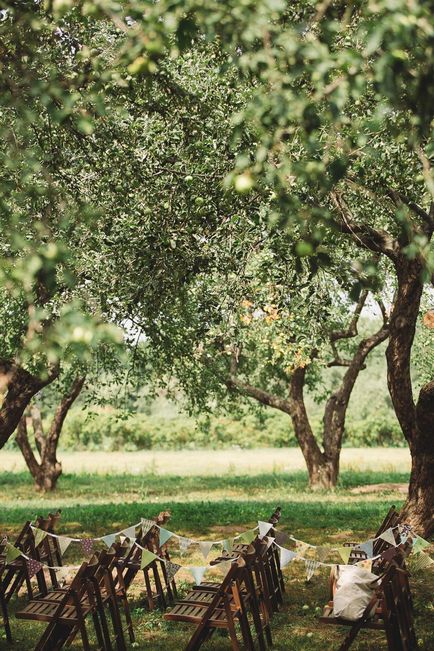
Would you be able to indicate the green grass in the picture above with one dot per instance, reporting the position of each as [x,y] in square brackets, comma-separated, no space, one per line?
[215,506]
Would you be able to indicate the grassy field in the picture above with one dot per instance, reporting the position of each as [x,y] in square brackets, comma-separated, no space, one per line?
[214,495]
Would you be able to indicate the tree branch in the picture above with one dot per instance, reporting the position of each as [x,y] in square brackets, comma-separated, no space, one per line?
[365,236]
[60,415]
[260,395]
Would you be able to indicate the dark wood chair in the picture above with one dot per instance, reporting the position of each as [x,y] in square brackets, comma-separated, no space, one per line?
[4,607]
[16,573]
[390,609]
[391,520]
[65,610]
[223,609]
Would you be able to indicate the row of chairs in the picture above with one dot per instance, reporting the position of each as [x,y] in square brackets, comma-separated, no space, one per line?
[243,603]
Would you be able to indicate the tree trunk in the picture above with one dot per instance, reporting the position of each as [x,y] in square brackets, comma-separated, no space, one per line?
[417,422]
[48,470]
[20,387]
[323,470]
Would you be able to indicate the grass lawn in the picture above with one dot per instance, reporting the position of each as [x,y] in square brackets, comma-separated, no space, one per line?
[206,504]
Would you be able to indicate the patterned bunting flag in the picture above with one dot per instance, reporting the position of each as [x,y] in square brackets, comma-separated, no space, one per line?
[322,553]
[228,545]
[197,573]
[264,528]
[147,557]
[109,539]
[301,547]
[345,553]
[366,564]
[63,543]
[164,536]
[146,525]
[205,547]
[247,536]
[389,553]
[33,567]
[11,553]
[184,544]
[421,561]
[388,537]
[61,575]
[286,556]
[130,532]
[40,535]
[368,548]
[87,545]
[311,566]
[171,570]
[420,544]
[224,566]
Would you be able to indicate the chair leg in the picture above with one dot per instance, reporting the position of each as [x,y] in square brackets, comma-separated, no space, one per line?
[148,586]
[5,619]
[128,619]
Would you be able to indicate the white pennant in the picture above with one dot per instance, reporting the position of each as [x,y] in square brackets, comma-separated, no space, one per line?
[109,539]
[388,537]
[184,544]
[61,575]
[286,555]
[269,540]
[130,532]
[197,573]
[264,528]
[63,543]
[205,547]
[311,566]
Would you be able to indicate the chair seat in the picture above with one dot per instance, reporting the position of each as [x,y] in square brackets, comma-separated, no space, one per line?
[43,611]
[184,612]
[327,617]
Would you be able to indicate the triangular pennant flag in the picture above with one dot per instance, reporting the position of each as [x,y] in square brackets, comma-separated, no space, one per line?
[171,570]
[421,561]
[286,556]
[388,537]
[197,573]
[164,536]
[147,557]
[345,553]
[264,528]
[61,575]
[33,567]
[11,553]
[247,536]
[301,547]
[322,553]
[184,544]
[63,543]
[39,536]
[130,532]
[389,554]
[109,539]
[205,547]
[146,525]
[87,545]
[366,564]
[224,566]
[419,544]
[368,548]
[311,566]
[228,544]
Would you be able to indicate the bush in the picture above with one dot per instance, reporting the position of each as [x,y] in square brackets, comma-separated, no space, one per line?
[111,430]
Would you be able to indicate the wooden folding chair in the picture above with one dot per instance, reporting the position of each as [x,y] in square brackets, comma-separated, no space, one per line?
[224,610]
[16,572]
[390,609]
[4,605]
[66,609]
[391,520]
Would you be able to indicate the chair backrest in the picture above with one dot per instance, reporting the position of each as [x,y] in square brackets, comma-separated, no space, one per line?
[391,520]
[398,610]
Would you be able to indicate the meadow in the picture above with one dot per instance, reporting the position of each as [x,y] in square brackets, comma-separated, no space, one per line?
[215,494]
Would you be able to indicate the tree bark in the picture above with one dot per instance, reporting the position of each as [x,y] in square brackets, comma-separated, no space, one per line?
[417,421]
[21,386]
[47,471]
